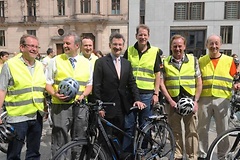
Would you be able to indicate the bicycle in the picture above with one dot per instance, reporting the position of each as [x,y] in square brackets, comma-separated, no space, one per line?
[3,145]
[7,133]
[232,136]
[162,145]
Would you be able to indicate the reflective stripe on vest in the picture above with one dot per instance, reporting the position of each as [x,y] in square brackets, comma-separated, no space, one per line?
[184,77]
[81,73]
[143,68]
[26,95]
[216,82]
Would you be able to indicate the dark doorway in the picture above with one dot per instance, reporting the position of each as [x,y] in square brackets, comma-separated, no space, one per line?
[59,48]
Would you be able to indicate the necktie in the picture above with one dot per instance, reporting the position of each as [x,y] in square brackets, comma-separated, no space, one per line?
[117,66]
[72,60]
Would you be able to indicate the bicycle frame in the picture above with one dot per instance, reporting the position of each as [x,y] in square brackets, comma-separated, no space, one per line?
[138,132]
[106,137]
[94,149]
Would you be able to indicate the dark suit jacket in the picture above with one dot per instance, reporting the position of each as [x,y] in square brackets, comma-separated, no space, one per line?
[107,87]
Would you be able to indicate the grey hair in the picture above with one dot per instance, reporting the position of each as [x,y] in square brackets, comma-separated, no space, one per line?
[117,36]
[77,39]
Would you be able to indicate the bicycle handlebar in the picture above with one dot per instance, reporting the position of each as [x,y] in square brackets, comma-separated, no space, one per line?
[136,108]
[101,103]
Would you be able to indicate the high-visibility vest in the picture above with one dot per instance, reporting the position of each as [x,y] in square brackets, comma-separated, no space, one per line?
[92,59]
[26,95]
[216,82]
[185,77]
[81,73]
[143,68]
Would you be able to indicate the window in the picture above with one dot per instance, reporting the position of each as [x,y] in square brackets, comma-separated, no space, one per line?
[189,11]
[142,12]
[115,6]
[227,52]
[2,38]
[85,6]
[31,7]
[115,30]
[98,6]
[226,33]
[31,32]
[2,9]
[232,10]
[61,7]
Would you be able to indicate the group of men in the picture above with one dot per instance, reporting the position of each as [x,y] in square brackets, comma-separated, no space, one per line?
[134,79]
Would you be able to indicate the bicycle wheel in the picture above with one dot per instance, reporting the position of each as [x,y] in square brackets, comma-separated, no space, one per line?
[157,142]
[78,150]
[3,145]
[226,146]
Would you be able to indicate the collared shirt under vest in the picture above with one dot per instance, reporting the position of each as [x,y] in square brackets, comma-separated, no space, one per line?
[185,76]
[143,68]
[26,95]
[216,82]
[81,73]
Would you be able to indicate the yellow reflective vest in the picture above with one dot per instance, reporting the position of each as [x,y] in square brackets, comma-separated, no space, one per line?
[216,82]
[81,73]
[143,68]
[185,77]
[26,95]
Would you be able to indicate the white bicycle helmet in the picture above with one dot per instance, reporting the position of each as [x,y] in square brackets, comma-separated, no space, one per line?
[69,87]
[185,106]
[7,133]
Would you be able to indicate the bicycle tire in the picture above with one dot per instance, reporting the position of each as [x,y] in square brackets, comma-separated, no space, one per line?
[230,151]
[161,143]
[65,152]
[3,146]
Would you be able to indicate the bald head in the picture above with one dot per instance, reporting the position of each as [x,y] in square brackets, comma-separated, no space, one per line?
[213,45]
[214,37]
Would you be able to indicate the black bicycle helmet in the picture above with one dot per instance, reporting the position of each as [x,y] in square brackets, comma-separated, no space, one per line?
[69,87]
[7,133]
[185,106]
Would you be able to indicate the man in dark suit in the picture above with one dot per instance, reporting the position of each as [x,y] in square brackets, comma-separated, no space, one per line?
[108,86]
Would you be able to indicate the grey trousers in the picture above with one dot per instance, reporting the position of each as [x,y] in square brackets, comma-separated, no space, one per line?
[208,108]
[69,122]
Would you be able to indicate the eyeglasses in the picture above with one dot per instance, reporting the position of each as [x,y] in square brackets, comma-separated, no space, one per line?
[31,46]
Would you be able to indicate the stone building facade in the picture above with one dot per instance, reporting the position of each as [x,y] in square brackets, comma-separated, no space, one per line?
[49,20]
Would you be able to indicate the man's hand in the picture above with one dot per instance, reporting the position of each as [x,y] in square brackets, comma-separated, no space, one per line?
[236,86]
[80,98]
[195,107]
[61,97]
[140,105]
[102,113]
[154,99]
[172,103]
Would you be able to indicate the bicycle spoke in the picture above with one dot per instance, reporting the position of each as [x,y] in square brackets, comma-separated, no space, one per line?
[226,146]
